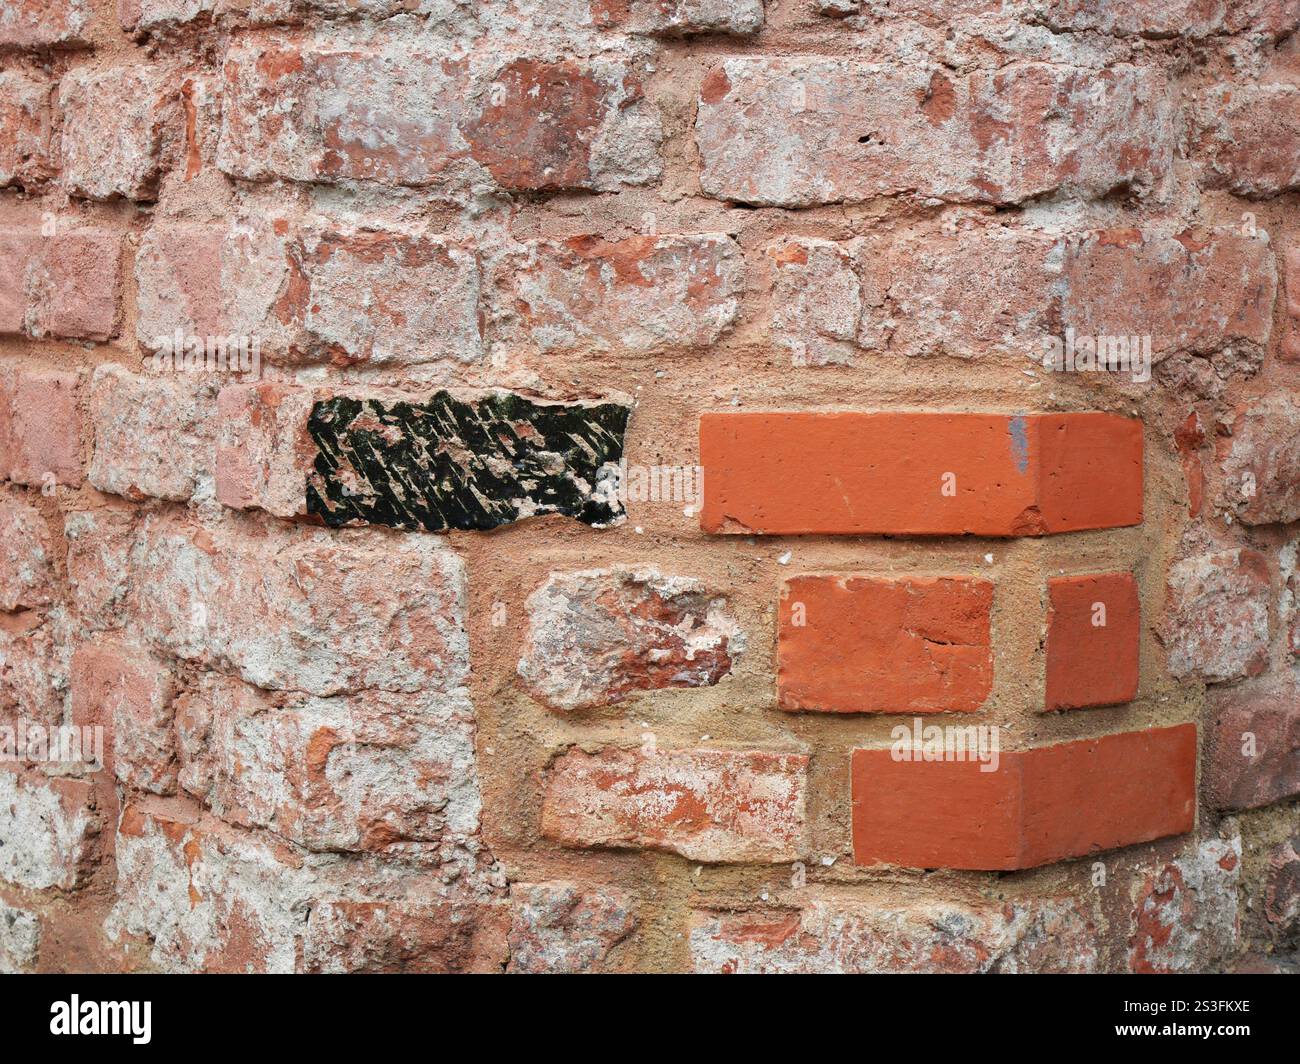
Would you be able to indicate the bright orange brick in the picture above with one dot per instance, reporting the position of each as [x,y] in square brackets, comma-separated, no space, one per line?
[1038,806]
[850,473]
[1093,628]
[858,644]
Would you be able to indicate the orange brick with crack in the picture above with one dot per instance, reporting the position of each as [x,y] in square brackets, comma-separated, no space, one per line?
[860,644]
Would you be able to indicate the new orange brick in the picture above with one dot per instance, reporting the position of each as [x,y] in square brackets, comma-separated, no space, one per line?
[1093,629]
[858,644]
[1038,806]
[852,473]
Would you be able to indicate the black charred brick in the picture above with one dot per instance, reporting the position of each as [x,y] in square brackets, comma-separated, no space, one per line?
[450,463]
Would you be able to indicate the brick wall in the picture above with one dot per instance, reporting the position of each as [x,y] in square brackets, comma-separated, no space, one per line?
[360,367]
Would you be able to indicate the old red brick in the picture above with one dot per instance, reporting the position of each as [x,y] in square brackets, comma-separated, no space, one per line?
[671,18]
[127,693]
[817,300]
[74,285]
[643,293]
[843,936]
[1198,292]
[1218,625]
[45,23]
[1259,461]
[303,609]
[1147,18]
[20,939]
[154,436]
[205,898]
[860,644]
[294,286]
[118,125]
[179,282]
[919,473]
[18,249]
[1282,889]
[1252,746]
[33,671]
[1247,138]
[381,297]
[563,124]
[342,86]
[352,774]
[597,636]
[413,937]
[1034,807]
[798,132]
[567,928]
[25,122]
[1094,626]
[44,445]
[26,575]
[1186,918]
[1291,342]
[99,549]
[714,806]
[50,828]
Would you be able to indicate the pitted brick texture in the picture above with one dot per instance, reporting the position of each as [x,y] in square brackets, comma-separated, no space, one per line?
[602,486]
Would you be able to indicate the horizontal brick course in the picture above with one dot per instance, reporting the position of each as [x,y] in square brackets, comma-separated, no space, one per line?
[852,473]
[1040,805]
[804,131]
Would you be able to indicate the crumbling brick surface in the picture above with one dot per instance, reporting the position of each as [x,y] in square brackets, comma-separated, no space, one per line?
[649,485]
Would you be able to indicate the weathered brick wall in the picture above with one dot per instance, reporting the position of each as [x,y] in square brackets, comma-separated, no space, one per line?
[392,676]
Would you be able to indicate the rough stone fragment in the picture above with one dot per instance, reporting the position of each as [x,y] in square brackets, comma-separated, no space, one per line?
[566,928]
[469,464]
[1054,935]
[598,636]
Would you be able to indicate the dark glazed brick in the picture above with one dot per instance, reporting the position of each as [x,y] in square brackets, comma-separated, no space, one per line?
[447,463]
